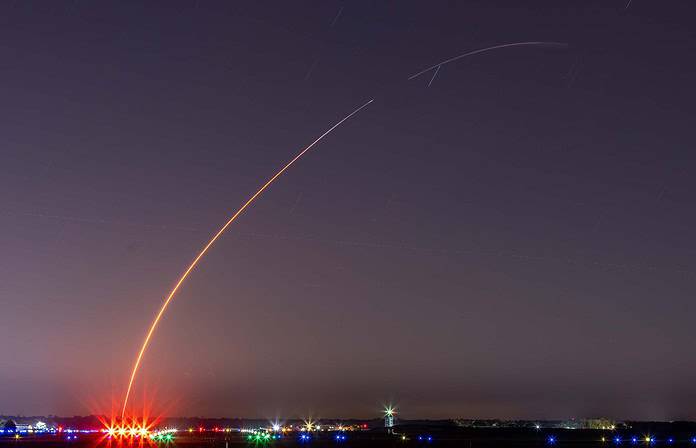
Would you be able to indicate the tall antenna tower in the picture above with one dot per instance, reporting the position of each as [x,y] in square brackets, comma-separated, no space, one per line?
[389,413]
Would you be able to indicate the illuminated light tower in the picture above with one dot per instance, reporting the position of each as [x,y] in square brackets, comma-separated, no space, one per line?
[389,412]
[309,425]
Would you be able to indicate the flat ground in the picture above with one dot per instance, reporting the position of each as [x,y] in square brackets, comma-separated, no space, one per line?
[407,437]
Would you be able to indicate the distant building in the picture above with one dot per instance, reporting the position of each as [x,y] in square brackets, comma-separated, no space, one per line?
[23,427]
[9,426]
[593,423]
[600,423]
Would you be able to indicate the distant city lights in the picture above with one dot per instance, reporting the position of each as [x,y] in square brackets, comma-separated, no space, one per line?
[309,432]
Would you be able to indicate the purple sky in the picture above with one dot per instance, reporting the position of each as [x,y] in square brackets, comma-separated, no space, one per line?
[516,240]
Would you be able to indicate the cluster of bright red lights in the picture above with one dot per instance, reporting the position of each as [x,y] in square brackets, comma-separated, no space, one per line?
[127,431]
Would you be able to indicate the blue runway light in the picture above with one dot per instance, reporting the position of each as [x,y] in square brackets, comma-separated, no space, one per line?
[634,440]
[693,440]
[617,440]
[430,438]
[670,440]
[551,440]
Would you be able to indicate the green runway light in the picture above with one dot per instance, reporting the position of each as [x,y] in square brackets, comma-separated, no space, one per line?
[259,438]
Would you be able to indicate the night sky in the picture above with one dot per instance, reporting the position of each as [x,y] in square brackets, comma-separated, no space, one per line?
[515,240]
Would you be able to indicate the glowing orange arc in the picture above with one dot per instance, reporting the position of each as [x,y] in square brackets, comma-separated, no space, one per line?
[212,241]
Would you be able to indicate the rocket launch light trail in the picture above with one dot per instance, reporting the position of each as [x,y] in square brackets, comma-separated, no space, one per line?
[484,50]
[215,237]
[268,183]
